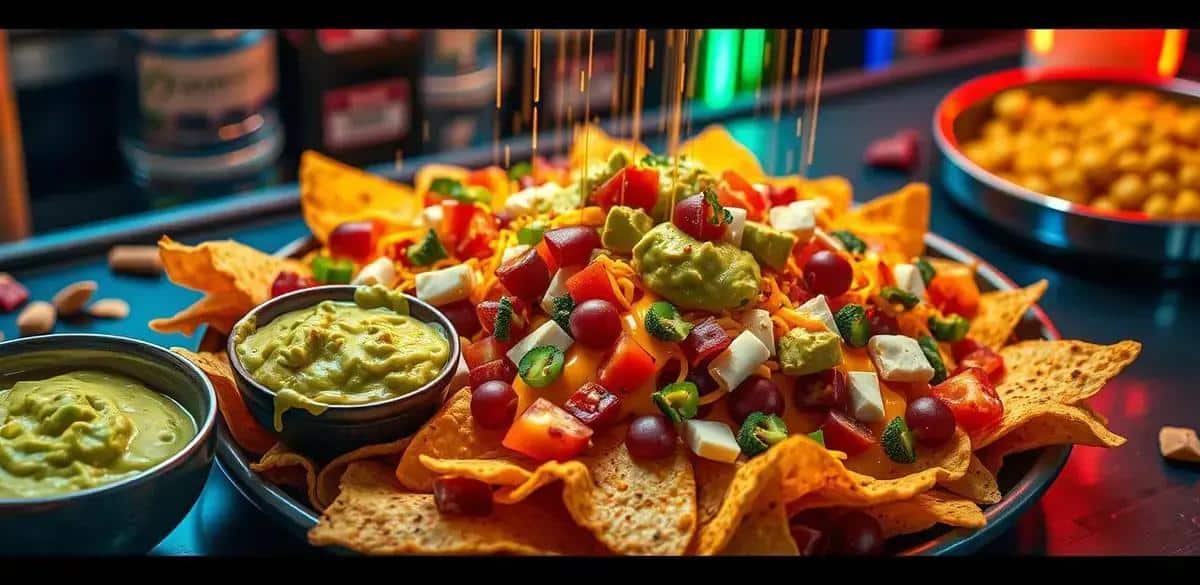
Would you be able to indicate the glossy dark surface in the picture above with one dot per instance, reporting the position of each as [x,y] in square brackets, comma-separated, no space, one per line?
[1126,501]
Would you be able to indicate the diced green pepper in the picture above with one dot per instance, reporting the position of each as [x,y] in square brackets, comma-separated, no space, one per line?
[720,214]
[656,160]
[759,432]
[949,329]
[926,269]
[531,234]
[898,296]
[898,442]
[852,242]
[502,327]
[427,251]
[452,188]
[678,401]
[853,325]
[563,305]
[664,322]
[541,366]
[818,436]
[328,270]
[520,170]
[930,349]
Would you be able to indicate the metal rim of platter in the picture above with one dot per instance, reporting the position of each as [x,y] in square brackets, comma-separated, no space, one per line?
[1050,221]
[1023,480]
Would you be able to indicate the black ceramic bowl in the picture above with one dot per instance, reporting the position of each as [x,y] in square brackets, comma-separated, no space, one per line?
[132,515]
[342,428]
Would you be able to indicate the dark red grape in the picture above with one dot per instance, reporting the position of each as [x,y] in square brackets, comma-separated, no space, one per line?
[650,437]
[857,533]
[596,323]
[462,315]
[810,541]
[828,273]
[756,394]
[930,420]
[882,323]
[494,404]
[824,389]
[462,496]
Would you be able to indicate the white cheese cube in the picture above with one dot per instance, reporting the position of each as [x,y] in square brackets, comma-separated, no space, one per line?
[512,252]
[531,200]
[711,440]
[442,287]
[558,287]
[381,271]
[909,279]
[796,217]
[432,216]
[818,308]
[739,360]
[733,232]
[758,322]
[548,334]
[866,402]
[899,359]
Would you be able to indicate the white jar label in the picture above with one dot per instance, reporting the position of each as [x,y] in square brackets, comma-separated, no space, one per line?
[207,86]
[367,114]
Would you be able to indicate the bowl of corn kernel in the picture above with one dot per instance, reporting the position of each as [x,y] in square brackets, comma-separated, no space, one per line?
[1103,162]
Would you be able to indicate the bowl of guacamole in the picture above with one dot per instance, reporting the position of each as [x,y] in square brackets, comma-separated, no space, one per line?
[333,368]
[105,443]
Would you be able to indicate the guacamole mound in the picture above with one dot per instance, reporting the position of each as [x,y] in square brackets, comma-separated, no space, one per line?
[342,353]
[82,429]
[711,276]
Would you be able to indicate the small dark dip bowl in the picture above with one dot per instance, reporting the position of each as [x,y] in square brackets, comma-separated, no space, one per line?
[342,428]
[132,515]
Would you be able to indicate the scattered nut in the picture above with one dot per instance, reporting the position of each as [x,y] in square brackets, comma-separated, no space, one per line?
[37,318]
[70,300]
[109,309]
[135,260]
[1179,443]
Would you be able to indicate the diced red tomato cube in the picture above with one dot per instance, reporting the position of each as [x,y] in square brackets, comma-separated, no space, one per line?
[592,283]
[628,366]
[594,405]
[845,434]
[631,187]
[693,216]
[355,240]
[985,359]
[954,292]
[501,370]
[972,398]
[525,276]
[483,351]
[462,315]
[705,341]
[572,246]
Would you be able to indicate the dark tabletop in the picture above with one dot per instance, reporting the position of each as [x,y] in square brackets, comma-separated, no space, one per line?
[1121,501]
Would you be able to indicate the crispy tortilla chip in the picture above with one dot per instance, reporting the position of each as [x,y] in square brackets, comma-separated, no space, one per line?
[948,460]
[978,484]
[1000,312]
[592,145]
[425,176]
[924,511]
[246,431]
[332,193]
[373,516]
[764,531]
[718,151]
[220,312]
[1042,375]
[903,214]
[329,479]
[1056,424]
[632,507]
[834,189]
[451,434]
[282,466]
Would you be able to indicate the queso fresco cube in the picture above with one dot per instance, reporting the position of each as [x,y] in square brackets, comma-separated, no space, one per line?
[899,359]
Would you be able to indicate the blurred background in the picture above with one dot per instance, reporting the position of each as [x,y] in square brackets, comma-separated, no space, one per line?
[117,122]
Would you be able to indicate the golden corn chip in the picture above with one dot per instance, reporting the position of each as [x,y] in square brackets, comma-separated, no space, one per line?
[978,484]
[592,145]
[764,531]
[451,434]
[424,177]
[1001,311]
[329,478]
[924,511]
[372,515]
[246,431]
[718,151]
[332,193]
[1053,424]
[632,507]
[906,211]
[282,466]
[220,312]
[951,459]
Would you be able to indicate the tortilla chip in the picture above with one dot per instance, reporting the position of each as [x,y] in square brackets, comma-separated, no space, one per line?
[451,434]
[632,507]
[764,531]
[592,145]
[329,479]
[425,176]
[978,484]
[904,212]
[332,193]
[1057,424]
[1001,311]
[221,312]
[282,466]
[949,461]
[373,516]
[924,511]
[718,151]
[246,431]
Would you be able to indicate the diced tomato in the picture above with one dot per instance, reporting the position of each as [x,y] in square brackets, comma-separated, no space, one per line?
[543,250]
[965,347]
[592,283]
[972,398]
[627,367]
[545,431]
[525,276]
[477,243]
[898,151]
[285,283]
[572,246]
[632,187]
[483,351]
[456,222]
[985,359]
[845,434]
[706,340]
[462,496]
[486,313]
[462,315]
[693,216]
[881,323]
[594,405]
[781,195]
[355,240]
[502,370]
[755,202]
[954,292]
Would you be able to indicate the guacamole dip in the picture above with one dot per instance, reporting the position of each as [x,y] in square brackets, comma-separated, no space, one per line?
[83,429]
[342,353]
[695,275]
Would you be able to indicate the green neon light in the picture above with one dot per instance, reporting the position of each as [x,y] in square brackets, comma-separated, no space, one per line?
[720,67]
[754,41]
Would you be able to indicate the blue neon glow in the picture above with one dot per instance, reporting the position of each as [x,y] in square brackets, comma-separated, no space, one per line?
[881,48]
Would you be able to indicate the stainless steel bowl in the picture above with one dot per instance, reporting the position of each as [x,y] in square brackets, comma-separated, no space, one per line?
[132,515]
[342,428]
[1055,222]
